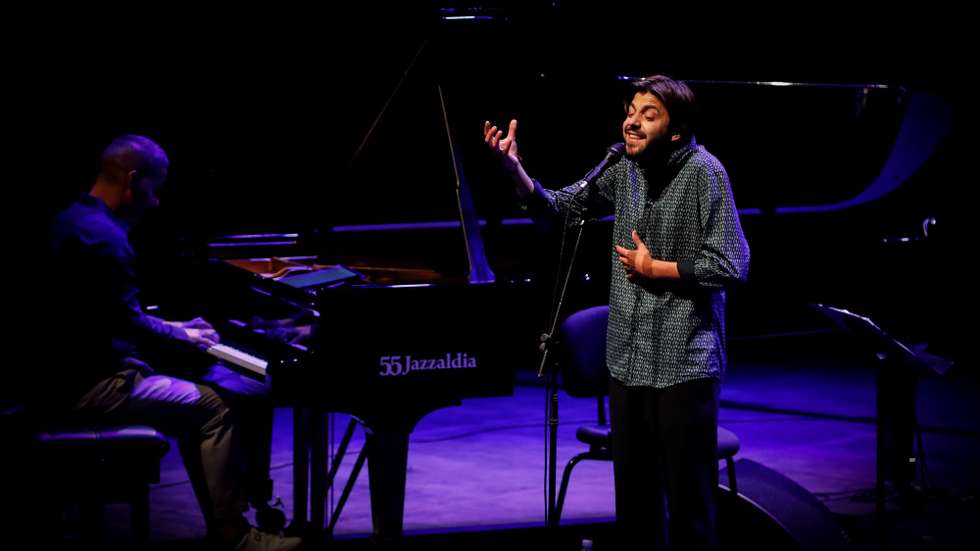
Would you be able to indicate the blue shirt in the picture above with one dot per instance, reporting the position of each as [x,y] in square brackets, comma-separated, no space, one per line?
[100,321]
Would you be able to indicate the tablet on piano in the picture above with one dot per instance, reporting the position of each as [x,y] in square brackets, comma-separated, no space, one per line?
[319,278]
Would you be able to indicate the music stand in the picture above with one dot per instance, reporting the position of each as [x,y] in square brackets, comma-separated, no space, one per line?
[895,360]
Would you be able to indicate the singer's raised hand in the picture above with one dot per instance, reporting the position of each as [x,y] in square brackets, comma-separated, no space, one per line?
[505,149]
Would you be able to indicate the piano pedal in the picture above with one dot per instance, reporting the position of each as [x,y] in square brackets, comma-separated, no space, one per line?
[270,518]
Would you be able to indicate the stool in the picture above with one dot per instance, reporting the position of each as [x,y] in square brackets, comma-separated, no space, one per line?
[98,465]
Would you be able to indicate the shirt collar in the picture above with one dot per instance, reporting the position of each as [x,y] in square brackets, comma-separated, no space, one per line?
[680,154]
[97,203]
[665,170]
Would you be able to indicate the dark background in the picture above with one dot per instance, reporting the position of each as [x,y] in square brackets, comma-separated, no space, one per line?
[262,112]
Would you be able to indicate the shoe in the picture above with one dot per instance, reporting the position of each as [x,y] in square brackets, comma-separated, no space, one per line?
[256,540]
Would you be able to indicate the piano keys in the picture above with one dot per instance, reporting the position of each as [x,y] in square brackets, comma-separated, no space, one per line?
[253,365]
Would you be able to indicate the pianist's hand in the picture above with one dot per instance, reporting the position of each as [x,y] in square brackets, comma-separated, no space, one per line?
[196,323]
[199,331]
[202,337]
[291,335]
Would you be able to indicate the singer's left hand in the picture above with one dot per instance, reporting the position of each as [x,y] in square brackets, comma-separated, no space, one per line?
[637,262]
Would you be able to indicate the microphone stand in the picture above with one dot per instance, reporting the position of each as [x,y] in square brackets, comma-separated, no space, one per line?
[562,278]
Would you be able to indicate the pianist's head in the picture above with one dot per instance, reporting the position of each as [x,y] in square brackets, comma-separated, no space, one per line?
[132,172]
[660,114]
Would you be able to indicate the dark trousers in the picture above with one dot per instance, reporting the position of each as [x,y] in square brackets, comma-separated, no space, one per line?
[223,424]
[665,444]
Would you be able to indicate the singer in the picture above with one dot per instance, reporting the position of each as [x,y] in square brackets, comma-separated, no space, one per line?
[677,244]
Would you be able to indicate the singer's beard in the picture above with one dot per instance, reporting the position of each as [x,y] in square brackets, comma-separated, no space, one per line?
[655,153]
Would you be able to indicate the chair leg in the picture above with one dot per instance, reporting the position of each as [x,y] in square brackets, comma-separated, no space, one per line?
[565,475]
[732,487]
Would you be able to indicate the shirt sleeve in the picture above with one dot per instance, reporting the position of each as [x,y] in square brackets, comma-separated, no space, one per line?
[128,319]
[550,206]
[723,257]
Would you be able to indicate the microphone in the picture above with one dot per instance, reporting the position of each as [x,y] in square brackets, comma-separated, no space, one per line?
[613,153]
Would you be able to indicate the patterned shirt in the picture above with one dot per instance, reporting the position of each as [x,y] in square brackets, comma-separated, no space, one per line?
[662,332]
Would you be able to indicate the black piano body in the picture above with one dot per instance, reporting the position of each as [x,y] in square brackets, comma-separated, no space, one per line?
[379,349]
[385,353]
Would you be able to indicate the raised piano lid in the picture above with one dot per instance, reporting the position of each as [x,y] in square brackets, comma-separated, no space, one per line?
[792,149]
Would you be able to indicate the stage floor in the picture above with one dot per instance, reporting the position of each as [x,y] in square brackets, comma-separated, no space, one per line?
[805,411]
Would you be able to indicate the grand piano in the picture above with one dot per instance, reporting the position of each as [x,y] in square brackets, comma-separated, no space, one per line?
[387,351]
[386,322]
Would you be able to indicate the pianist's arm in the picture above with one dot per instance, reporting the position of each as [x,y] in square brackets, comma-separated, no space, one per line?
[135,330]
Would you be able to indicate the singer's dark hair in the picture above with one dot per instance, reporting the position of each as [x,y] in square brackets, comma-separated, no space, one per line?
[676,97]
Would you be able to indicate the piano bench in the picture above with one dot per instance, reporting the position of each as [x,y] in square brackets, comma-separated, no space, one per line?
[90,467]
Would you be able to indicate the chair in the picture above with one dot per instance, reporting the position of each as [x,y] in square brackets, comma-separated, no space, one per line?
[99,465]
[582,361]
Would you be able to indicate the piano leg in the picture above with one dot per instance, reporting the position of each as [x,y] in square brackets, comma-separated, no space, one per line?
[318,468]
[301,463]
[387,464]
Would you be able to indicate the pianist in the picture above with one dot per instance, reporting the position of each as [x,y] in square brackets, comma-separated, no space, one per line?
[110,369]
[678,244]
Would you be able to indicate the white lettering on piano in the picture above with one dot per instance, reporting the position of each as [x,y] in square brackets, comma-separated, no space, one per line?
[393,366]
